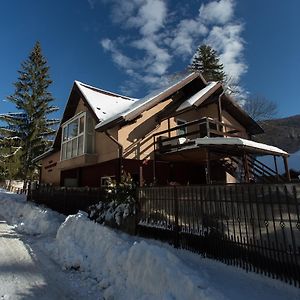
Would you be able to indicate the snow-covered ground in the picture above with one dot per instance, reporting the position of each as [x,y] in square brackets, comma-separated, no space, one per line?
[101,263]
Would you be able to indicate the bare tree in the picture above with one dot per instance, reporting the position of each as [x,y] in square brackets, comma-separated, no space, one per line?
[260,108]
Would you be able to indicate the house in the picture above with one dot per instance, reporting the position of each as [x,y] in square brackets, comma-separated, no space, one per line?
[190,132]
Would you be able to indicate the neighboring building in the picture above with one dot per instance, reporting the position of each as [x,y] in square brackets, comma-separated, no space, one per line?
[188,133]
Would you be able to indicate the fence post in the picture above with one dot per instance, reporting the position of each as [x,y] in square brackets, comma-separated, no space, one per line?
[176,227]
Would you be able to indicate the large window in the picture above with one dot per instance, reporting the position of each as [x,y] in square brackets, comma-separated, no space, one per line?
[77,136]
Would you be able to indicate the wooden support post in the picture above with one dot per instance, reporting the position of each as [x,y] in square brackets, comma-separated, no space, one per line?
[276,167]
[154,162]
[220,110]
[207,128]
[286,166]
[208,171]
[246,168]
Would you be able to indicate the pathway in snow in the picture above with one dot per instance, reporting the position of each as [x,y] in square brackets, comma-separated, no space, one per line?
[29,274]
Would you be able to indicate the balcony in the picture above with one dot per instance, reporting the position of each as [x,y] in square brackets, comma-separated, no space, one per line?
[186,134]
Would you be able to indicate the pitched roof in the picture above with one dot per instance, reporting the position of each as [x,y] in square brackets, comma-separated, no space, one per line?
[147,102]
[103,103]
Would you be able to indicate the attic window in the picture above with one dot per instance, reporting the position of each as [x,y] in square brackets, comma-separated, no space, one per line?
[78,136]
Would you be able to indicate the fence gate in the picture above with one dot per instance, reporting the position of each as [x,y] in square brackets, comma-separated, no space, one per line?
[256,227]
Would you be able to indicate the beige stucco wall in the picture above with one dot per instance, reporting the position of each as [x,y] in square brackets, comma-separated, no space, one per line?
[207,111]
[227,118]
[105,148]
[81,107]
[137,139]
[50,172]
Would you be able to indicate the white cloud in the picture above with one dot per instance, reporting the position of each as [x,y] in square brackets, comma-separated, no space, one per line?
[161,38]
[118,57]
[217,12]
[184,36]
[227,41]
[158,59]
[146,15]
[150,16]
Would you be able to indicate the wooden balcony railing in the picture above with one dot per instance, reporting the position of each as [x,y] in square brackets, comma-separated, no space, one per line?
[185,134]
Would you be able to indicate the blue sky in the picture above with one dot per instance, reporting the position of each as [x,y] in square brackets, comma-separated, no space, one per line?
[129,46]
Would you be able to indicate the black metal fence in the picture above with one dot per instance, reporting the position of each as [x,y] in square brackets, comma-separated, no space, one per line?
[256,227]
[66,200]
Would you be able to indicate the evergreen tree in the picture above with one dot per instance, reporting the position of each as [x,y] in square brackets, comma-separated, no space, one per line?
[30,126]
[9,158]
[207,63]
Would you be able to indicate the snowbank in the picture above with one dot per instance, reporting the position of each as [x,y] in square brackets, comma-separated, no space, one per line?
[26,216]
[124,268]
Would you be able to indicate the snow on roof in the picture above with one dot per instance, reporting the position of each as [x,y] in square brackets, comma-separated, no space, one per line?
[104,104]
[240,142]
[149,101]
[196,98]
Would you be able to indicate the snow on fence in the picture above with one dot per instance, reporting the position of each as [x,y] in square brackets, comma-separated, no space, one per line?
[256,227]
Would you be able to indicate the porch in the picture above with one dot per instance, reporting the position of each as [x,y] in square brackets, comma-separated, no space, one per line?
[216,146]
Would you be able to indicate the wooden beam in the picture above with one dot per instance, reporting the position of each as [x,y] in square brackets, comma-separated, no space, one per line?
[220,108]
[154,162]
[169,127]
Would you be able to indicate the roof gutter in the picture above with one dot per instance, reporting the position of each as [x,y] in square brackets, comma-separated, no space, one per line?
[120,153]
[43,155]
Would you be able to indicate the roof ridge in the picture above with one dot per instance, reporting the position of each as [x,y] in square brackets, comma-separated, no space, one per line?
[104,91]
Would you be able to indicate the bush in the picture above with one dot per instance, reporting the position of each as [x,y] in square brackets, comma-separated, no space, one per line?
[119,208]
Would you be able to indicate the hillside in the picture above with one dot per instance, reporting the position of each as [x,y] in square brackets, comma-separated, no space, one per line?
[283,133]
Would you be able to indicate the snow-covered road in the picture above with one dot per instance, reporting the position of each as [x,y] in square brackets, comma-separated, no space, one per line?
[28,273]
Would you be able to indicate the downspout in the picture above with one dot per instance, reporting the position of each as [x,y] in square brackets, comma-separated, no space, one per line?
[220,106]
[120,153]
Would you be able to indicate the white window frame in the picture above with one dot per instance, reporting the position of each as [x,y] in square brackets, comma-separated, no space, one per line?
[65,125]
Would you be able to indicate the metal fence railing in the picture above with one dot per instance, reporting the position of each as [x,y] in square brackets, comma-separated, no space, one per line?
[66,200]
[254,226]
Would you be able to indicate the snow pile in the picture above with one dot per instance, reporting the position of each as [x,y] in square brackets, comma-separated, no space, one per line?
[112,213]
[124,268]
[26,216]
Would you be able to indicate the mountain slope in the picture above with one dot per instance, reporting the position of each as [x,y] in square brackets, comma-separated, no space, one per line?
[283,133]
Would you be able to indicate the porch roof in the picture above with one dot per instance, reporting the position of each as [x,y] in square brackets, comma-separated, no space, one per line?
[232,143]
